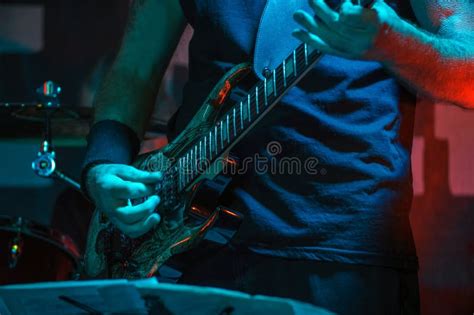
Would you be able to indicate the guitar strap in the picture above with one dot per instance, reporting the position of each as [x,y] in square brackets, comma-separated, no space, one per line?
[274,41]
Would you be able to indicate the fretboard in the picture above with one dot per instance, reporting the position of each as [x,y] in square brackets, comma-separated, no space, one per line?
[244,115]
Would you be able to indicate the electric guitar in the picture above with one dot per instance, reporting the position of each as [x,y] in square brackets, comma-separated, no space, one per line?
[198,155]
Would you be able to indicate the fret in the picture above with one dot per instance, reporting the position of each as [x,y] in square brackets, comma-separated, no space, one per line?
[190,166]
[215,139]
[233,121]
[294,63]
[256,99]
[305,54]
[183,173]
[180,173]
[227,128]
[222,135]
[183,170]
[191,163]
[248,107]
[200,152]
[265,94]
[241,117]
[187,168]
[205,148]
[196,159]
[284,73]
[210,145]
[274,83]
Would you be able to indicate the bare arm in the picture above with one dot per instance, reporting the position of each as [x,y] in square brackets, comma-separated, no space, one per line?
[436,60]
[127,95]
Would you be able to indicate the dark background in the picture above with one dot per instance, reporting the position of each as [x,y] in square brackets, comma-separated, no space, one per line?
[77,42]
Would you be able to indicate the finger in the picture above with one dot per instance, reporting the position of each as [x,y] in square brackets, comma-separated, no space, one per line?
[330,37]
[133,214]
[139,228]
[344,39]
[350,14]
[357,16]
[130,173]
[324,12]
[317,43]
[129,190]
[305,20]
[320,29]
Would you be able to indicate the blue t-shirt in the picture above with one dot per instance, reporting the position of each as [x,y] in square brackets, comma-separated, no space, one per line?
[351,119]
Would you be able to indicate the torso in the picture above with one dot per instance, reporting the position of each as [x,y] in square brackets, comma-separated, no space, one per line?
[350,115]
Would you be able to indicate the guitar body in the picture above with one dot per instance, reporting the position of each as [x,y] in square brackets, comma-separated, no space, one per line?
[111,254]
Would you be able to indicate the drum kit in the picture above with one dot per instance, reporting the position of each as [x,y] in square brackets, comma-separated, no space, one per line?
[31,252]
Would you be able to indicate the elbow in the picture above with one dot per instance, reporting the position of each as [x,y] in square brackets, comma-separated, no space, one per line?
[462,96]
[453,83]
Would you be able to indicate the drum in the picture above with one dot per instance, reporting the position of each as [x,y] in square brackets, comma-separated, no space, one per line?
[30,252]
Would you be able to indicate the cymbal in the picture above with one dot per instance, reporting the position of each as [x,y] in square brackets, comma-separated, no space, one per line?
[33,114]
[29,120]
[33,111]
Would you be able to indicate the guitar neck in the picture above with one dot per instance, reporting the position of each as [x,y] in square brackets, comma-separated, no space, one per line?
[244,115]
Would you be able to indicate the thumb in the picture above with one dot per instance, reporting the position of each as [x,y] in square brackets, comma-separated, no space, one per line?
[132,174]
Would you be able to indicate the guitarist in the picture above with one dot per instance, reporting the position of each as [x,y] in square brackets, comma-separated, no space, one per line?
[341,238]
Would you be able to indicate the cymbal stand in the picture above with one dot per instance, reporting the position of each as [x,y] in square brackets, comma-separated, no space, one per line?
[45,163]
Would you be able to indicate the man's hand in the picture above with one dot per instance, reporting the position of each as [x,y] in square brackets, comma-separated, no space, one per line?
[349,33]
[437,62]
[112,186]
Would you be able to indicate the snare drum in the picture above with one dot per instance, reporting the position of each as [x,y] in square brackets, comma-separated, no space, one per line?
[30,252]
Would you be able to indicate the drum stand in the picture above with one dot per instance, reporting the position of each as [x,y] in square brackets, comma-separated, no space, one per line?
[45,163]
[19,231]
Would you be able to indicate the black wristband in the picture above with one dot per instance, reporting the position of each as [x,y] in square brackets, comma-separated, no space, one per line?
[108,142]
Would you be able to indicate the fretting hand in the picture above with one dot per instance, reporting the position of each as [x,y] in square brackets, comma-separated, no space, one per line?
[112,186]
[349,33]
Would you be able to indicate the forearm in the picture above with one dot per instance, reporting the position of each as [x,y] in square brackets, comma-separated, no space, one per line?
[127,98]
[433,65]
[128,93]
